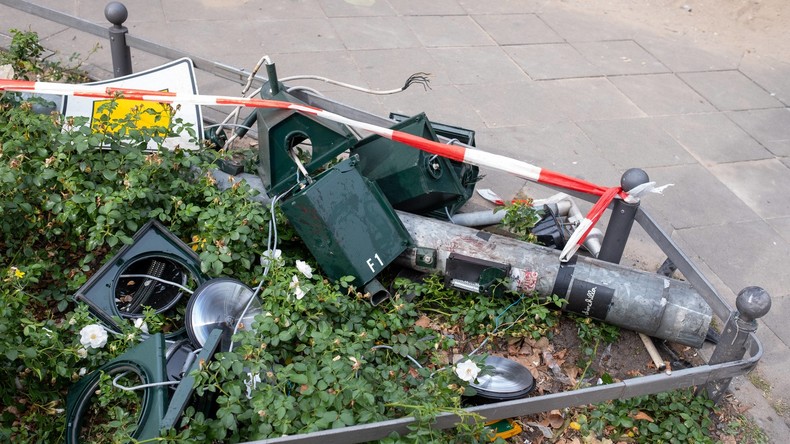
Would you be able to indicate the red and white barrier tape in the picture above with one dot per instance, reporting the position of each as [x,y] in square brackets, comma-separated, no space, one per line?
[477,157]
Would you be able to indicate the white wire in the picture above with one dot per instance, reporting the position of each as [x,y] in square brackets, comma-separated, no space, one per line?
[387,347]
[305,88]
[148,276]
[270,246]
[224,125]
[141,386]
[343,84]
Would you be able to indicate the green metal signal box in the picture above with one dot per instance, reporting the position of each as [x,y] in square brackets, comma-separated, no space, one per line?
[280,131]
[347,223]
[412,180]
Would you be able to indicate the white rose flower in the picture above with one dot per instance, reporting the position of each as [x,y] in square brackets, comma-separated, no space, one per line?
[269,257]
[294,285]
[252,383]
[83,370]
[93,336]
[141,324]
[306,270]
[82,352]
[467,370]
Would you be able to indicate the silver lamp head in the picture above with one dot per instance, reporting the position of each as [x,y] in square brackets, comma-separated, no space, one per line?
[219,303]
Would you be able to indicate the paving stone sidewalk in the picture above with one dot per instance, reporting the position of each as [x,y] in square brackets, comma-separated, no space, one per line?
[579,93]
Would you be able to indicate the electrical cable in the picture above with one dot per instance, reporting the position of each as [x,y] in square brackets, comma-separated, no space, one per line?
[421,78]
[164,281]
[224,125]
[141,386]
[304,88]
[271,246]
[387,347]
[497,324]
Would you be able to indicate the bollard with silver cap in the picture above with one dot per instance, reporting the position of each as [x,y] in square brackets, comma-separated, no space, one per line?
[116,13]
[752,303]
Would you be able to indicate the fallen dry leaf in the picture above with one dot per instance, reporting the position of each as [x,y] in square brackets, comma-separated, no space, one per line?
[727,439]
[424,322]
[640,415]
[555,419]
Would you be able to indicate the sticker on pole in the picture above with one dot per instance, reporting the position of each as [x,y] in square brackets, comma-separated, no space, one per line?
[120,115]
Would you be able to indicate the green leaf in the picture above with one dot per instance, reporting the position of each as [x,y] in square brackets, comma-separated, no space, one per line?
[216,268]
[298,378]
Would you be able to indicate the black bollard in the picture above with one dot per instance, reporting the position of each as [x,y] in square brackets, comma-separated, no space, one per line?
[752,303]
[622,219]
[116,13]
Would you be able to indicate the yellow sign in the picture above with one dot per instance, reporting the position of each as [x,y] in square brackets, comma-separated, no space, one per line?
[109,116]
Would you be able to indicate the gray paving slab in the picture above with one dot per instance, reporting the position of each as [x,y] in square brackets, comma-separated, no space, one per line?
[251,39]
[450,30]
[517,29]
[771,74]
[278,9]
[514,104]
[13,19]
[766,126]
[474,7]
[443,103]
[506,185]
[71,47]
[679,56]
[786,161]
[559,147]
[336,65]
[776,320]
[552,61]
[713,138]
[179,10]
[433,7]
[365,102]
[635,143]
[278,36]
[661,94]
[761,184]
[697,198]
[763,406]
[620,57]
[477,65]
[93,10]
[591,99]
[374,33]
[781,225]
[779,147]
[367,8]
[386,69]
[579,26]
[730,90]
[67,6]
[744,254]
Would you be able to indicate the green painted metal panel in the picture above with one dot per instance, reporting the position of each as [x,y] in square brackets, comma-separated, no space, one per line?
[412,180]
[347,223]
